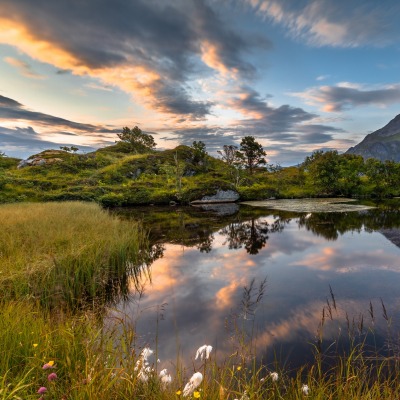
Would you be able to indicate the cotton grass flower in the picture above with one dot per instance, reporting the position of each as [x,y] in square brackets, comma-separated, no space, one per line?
[165,377]
[203,352]
[193,383]
[305,389]
[274,376]
[143,366]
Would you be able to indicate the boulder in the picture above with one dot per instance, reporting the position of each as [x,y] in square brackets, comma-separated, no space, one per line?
[222,196]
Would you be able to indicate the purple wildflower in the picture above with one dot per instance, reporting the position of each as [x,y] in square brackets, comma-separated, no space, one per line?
[52,377]
[42,390]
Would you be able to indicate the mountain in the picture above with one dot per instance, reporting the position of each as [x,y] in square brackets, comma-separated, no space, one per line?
[383,144]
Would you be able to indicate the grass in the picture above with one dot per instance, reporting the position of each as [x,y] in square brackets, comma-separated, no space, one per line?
[93,360]
[65,252]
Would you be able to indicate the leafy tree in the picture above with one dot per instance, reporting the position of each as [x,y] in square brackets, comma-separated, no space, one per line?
[253,153]
[324,170]
[199,153]
[351,168]
[136,141]
[72,149]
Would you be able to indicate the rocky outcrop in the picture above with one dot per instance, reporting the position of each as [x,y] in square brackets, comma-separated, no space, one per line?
[37,161]
[222,196]
[383,144]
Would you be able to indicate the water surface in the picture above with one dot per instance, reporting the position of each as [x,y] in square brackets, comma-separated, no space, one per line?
[205,286]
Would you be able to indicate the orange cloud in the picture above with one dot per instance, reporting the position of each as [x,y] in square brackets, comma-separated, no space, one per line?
[211,57]
[137,80]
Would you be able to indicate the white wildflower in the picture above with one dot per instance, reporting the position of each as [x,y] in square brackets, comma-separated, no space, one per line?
[193,383]
[146,353]
[274,376]
[165,377]
[305,389]
[203,352]
[245,397]
[143,366]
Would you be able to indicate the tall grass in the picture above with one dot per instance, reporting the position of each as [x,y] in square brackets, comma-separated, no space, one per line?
[66,253]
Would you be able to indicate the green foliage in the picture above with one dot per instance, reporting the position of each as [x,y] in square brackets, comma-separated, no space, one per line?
[199,154]
[253,153]
[323,171]
[135,141]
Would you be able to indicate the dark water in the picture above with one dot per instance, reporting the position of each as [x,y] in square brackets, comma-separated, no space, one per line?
[207,286]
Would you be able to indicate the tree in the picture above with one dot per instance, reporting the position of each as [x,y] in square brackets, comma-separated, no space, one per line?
[71,149]
[136,141]
[234,159]
[199,153]
[324,170]
[253,153]
[231,155]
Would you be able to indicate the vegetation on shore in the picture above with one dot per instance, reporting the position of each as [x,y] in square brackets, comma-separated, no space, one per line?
[133,173]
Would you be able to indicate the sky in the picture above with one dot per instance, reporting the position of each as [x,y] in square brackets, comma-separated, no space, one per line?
[298,75]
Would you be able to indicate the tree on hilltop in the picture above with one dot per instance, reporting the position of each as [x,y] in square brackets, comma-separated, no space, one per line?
[136,141]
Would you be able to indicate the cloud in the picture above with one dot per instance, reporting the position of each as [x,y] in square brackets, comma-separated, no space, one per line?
[13,110]
[23,142]
[345,96]
[24,68]
[287,132]
[43,131]
[333,23]
[152,50]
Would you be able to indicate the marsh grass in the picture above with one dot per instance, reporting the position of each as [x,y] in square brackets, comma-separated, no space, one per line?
[67,253]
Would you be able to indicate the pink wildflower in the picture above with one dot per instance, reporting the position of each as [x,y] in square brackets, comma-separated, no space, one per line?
[42,390]
[52,377]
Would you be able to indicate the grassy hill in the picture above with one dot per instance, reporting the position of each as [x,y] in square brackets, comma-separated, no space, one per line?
[113,177]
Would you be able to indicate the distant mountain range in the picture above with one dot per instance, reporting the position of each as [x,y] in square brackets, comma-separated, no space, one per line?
[383,144]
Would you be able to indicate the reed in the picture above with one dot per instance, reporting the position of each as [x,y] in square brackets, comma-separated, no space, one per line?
[67,253]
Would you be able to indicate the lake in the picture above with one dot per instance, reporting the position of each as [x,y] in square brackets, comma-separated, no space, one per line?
[287,282]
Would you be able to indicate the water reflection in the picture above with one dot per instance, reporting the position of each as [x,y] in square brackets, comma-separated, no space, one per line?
[209,261]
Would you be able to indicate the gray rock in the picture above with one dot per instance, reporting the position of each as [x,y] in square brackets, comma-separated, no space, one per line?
[222,196]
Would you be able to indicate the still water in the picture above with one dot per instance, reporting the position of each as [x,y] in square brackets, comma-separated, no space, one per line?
[268,276]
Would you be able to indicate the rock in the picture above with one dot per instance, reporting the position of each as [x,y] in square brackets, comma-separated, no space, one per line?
[37,161]
[23,164]
[222,196]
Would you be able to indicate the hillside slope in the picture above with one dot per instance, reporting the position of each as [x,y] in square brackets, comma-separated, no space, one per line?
[383,144]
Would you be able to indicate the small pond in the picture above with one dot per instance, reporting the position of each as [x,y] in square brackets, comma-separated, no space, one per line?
[285,279]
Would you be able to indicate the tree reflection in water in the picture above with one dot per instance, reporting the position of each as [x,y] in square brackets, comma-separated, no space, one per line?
[252,234]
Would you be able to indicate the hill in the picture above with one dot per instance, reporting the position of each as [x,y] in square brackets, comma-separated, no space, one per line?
[383,144]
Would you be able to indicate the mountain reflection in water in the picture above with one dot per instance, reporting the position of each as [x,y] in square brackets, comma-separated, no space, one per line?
[196,291]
